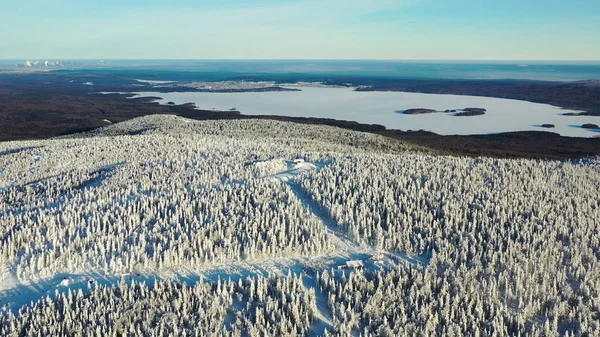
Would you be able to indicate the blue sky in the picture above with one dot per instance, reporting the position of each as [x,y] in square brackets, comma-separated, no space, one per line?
[293,29]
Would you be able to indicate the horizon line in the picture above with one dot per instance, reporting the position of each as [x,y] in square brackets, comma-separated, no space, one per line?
[297,59]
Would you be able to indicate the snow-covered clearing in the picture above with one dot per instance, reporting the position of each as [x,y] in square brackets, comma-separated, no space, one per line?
[294,169]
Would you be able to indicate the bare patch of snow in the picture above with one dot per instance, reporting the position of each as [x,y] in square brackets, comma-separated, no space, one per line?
[293,169]
[7,278]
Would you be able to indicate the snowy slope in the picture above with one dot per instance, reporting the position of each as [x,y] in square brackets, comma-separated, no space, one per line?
[258,219]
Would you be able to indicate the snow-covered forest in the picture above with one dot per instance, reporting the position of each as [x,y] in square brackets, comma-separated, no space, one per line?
[445,245]
[255,307]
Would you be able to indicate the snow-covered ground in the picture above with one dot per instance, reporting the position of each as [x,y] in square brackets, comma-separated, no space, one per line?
[381,108]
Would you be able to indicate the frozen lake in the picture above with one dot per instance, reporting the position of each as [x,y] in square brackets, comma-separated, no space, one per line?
[381,108]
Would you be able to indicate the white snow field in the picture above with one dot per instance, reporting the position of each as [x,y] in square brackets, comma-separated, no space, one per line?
[503,115]
[163,226]
[154,82]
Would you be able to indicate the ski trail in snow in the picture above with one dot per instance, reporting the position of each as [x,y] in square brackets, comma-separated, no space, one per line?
[15,294]
[323,315]
[296,168]
[338,237]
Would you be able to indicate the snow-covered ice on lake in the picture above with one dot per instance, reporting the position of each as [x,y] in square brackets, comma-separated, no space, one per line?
[502,115]
[154,82]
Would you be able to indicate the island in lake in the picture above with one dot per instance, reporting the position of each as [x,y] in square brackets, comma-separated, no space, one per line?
[590,126]
[418,111]
[471,112]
